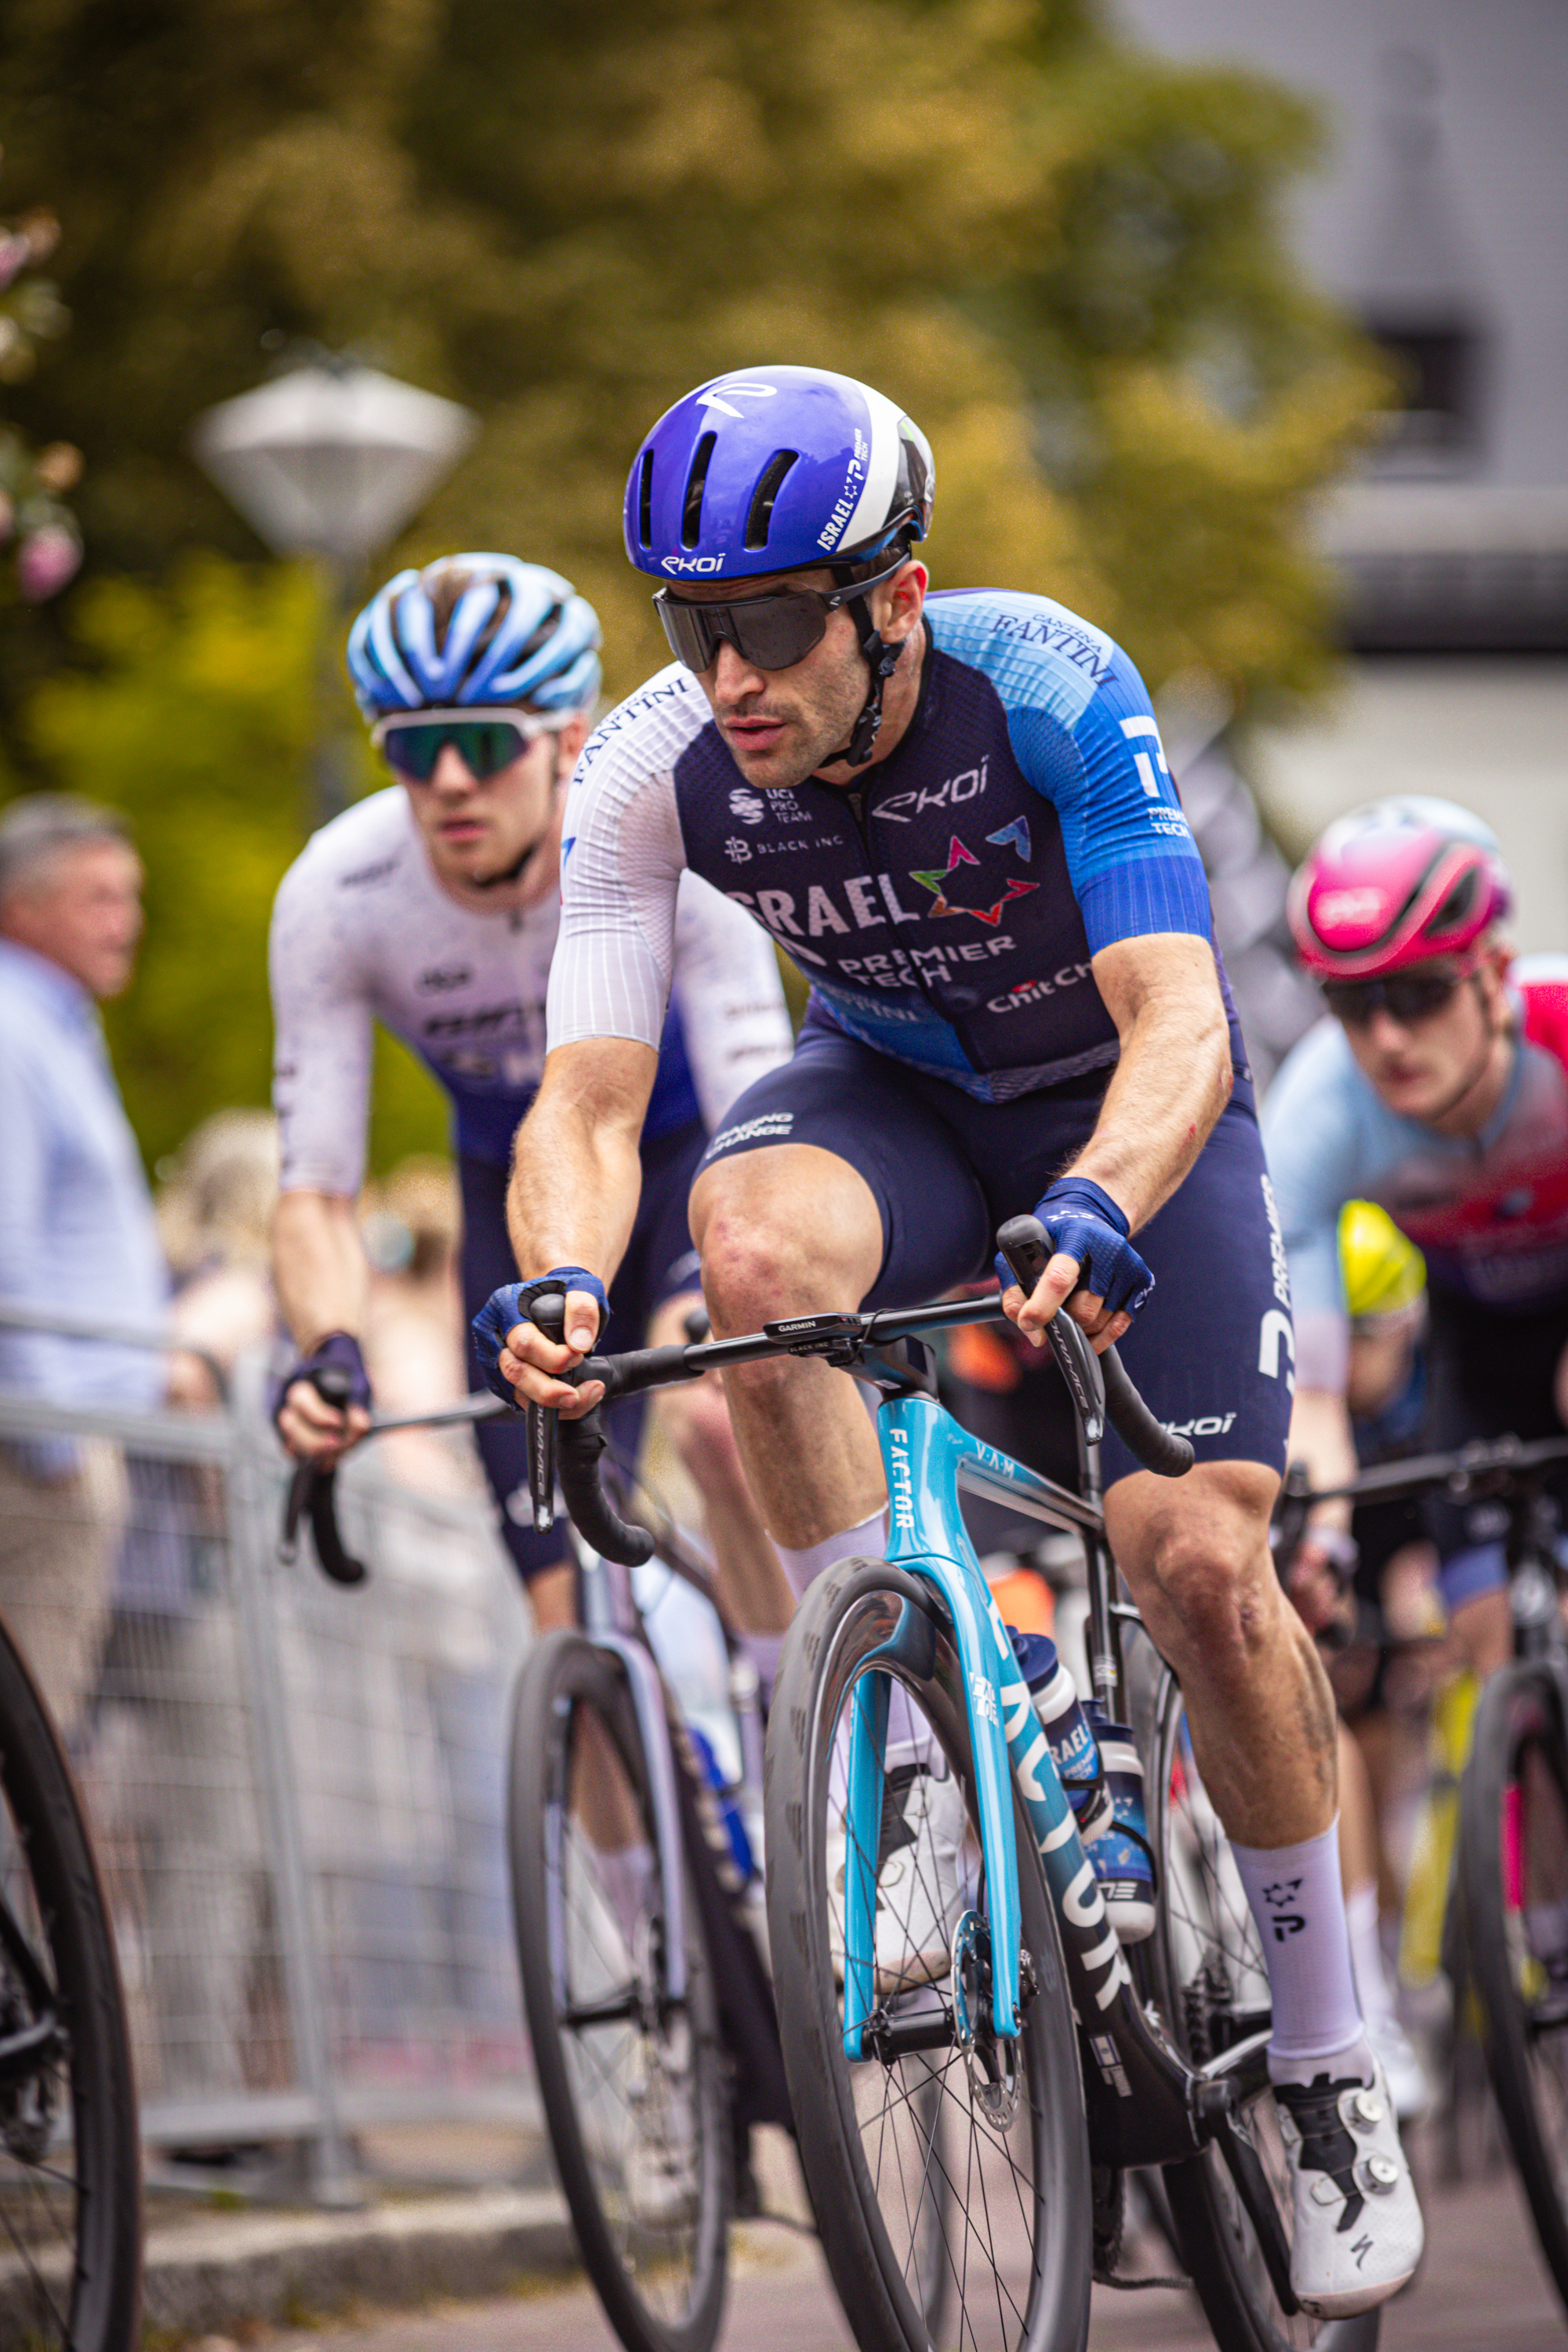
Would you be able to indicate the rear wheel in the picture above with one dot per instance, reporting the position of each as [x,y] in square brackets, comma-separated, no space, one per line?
[1513,1884]
[70,2175]
[631,2080]
[1205,1969]
[951,2188]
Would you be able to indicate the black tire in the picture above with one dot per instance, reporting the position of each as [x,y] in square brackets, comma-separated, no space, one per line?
[1513,1887]
[611,2086]
[71,2214]
[1011,2221]
[1203,1965]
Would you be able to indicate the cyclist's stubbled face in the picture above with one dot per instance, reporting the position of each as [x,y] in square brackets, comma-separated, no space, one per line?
[476,827]
[1418,1066]
[781,726]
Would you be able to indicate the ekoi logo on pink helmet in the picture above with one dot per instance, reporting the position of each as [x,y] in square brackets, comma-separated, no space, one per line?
[1396,883]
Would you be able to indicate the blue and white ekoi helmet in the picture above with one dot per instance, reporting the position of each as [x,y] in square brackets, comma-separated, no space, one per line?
[777,470]
[482,629]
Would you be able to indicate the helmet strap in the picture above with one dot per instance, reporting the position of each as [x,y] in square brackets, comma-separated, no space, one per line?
[882,660]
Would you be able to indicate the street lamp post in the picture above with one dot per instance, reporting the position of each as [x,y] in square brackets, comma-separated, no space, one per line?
[331,461]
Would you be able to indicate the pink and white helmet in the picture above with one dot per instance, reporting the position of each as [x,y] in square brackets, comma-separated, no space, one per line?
[1396,883]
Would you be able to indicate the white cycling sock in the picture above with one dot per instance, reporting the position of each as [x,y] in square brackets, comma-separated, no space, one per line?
[1295,1897]
[1366,1953]
[869,1539]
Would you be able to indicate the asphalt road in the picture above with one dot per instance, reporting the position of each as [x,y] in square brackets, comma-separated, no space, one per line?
[1483,2290]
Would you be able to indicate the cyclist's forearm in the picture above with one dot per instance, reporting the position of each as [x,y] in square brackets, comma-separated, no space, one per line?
[576,1172]
[1169,1088]
[319,1266]
[1320,1437]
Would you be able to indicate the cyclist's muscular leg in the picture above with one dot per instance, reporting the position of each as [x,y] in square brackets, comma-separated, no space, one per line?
[753,1587]
[1195,1554]
[793,1230]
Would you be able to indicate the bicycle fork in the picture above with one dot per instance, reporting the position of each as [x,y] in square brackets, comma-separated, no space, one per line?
[1144,2104]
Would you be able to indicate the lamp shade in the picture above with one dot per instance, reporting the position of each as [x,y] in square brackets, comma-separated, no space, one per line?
[332,460]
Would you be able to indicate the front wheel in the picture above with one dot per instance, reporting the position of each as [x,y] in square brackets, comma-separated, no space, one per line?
[630,2078]
[945,2181]
[1205,1969]
[70,2172]
[1513,1886]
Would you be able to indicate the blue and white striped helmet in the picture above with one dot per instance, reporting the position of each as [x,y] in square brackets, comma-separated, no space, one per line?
[483,629]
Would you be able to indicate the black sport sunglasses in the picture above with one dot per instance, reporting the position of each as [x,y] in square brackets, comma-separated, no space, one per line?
[1408,997]
[769,632]
[484,741]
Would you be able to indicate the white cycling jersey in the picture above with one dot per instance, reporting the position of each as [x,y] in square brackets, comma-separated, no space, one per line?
[363,931]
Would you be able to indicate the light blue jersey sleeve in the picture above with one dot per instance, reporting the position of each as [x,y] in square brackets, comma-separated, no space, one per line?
[1083,731]
[1315,1139]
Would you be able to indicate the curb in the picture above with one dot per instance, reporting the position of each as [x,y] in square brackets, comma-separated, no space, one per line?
[203,2276]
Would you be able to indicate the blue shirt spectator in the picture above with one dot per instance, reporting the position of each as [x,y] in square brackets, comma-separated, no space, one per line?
[77,1232]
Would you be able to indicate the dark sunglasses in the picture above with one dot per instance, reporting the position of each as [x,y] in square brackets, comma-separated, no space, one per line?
[768,632]
[1408,997]
[411,742]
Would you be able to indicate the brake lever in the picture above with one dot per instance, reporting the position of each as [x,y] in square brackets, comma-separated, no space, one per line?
[548,1311]
[1024,1246]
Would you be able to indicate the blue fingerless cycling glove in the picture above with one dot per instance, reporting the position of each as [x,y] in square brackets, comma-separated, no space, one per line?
[1086,1224]
[505,1308]
[339,1352]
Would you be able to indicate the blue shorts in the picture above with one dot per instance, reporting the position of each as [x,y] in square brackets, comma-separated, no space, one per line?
[1212,1351]
[660,1264]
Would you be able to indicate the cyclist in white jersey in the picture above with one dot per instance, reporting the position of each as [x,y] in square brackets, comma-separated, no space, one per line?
[433,907]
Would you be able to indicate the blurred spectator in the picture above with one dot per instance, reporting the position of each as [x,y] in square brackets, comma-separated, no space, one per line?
[415,1335]
[216,1200]
[77,1236]
[170,1768]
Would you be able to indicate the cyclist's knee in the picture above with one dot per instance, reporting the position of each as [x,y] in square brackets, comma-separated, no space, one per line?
[755,1269]
[1202,1572]
[784,1231]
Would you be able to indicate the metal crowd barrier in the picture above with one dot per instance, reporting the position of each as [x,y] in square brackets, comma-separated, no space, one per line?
[296,1792]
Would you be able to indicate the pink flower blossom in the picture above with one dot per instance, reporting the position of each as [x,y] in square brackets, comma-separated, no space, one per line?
[46,561]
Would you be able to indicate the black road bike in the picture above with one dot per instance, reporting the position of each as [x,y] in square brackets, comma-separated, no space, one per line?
[1511,1858]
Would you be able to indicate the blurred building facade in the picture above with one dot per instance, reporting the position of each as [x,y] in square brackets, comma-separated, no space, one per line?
[1442,222]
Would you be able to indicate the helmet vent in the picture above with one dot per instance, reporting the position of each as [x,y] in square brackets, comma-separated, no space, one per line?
[691,513]
[1457,904]
[769,483]
[645,500]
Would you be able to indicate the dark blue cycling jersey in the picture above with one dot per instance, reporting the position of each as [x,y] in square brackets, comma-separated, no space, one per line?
[946,908]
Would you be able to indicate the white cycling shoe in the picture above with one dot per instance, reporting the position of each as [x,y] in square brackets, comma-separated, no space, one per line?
[1408,2084]
[921,1884]
[1359,2233]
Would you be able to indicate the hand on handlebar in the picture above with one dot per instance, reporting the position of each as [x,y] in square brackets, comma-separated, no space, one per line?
[519,1363]
[325,1407]
[1089,1245]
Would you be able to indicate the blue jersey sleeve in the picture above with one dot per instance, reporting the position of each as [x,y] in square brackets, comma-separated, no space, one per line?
[1084,733]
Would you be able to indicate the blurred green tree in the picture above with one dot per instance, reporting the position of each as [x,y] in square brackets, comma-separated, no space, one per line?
[197,721]
[1062,255]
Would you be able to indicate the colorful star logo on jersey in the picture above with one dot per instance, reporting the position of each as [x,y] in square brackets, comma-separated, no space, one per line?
[949,901]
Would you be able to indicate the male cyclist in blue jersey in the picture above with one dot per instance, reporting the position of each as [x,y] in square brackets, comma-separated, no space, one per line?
[954,813]
[434,907]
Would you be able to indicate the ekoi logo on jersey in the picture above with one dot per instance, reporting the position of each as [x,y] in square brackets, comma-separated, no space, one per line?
[955,899]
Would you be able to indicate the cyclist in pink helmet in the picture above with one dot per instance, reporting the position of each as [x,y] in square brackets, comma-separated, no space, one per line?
[1440,1088]
[1398,883]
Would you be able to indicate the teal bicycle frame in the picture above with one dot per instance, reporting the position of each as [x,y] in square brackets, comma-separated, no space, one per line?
[927,1456]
